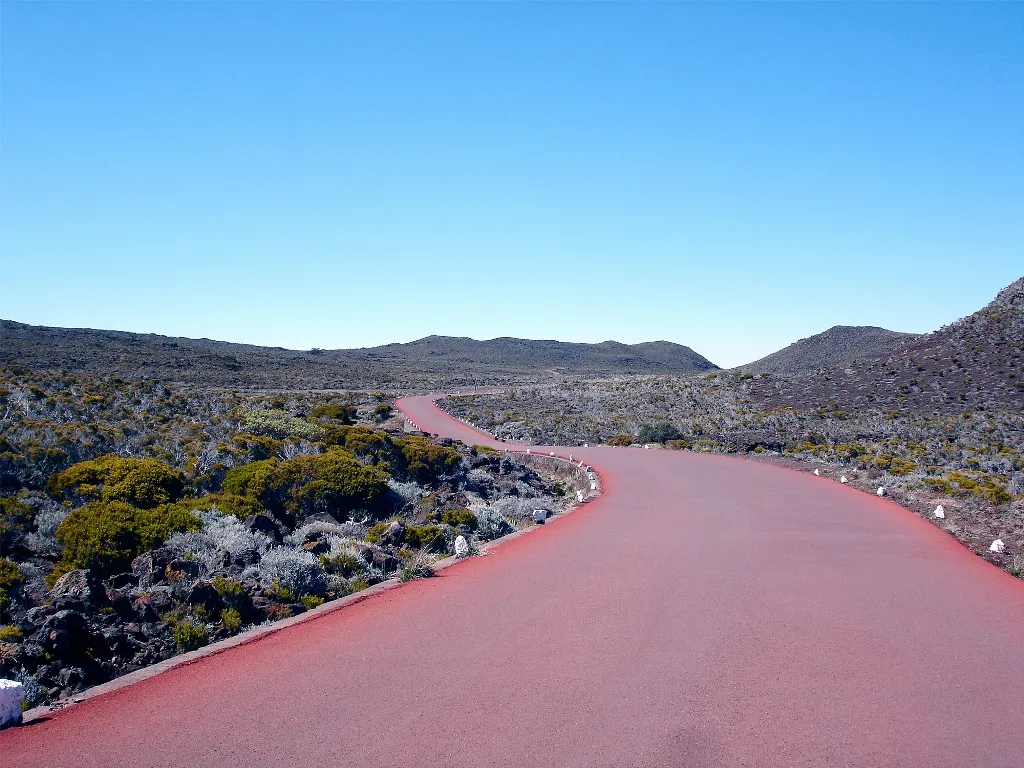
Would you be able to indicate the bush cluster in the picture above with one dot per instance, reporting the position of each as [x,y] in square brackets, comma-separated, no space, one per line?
[344,414]
[145,483]
[107,536]
[424,461]
[280,425]
[662,432]
[15,518]
[190,635]
[333,482]
[978,484]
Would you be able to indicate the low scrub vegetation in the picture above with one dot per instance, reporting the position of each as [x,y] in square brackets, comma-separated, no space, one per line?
[156,521]
[971,460]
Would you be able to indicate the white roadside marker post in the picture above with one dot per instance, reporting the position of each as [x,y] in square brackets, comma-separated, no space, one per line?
[12,694]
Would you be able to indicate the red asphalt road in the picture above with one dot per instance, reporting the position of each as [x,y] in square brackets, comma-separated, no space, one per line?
[707,611]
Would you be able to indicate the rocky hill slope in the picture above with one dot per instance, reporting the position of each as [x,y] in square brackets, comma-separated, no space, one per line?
[975,363]
[838,345]
[432,362]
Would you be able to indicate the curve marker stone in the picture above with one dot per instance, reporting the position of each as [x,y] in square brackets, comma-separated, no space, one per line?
[12,693]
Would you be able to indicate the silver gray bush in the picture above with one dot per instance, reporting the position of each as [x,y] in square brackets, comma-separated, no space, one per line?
[296,570]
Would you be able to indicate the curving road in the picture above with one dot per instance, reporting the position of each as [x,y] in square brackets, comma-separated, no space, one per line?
[706,611]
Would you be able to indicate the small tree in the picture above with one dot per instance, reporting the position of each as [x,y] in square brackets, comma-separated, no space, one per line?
[659,433]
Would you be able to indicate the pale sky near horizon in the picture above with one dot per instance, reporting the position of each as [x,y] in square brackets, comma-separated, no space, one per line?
[728,176]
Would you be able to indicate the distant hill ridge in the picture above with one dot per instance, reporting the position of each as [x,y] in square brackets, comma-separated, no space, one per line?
[839,344]
[433,361]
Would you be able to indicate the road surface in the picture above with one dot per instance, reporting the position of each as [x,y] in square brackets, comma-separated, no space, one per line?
[706,611]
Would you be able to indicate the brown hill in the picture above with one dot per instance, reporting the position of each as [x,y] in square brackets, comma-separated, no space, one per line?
[973,364]
[839,344]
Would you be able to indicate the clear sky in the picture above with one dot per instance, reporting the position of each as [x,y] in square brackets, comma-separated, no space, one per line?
[728,176]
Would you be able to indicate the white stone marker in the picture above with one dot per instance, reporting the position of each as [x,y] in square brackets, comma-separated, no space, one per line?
[881,492]
[579,496]
[940,512]
[461,546]
[12,693]
[843,480]
[816,472]
[997,546]
[552,454]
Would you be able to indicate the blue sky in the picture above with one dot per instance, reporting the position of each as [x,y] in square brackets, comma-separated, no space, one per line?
[728,176]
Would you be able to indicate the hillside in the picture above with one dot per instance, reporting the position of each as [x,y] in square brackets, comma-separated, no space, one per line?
[972,364]
[839,344]
[526,355]
[432,362]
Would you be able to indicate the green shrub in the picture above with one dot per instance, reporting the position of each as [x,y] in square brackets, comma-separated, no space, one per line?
[171,618]
[376,531]
[10,634]
[10,577]
[658,433]
[382,412]
[143,483]
[15,517]
[335,412]
[107,536]
[231,619]
[362,441]
[459,517]
[225,503]
[329,482]
[259,446]
[190,635]
[342,565]
[424,535]
[281,593]
[333,482]
[249,481]
[425,461]
[280,425]
[894,465]
[230,590]
[620,440]
[979,484]
[311,601]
